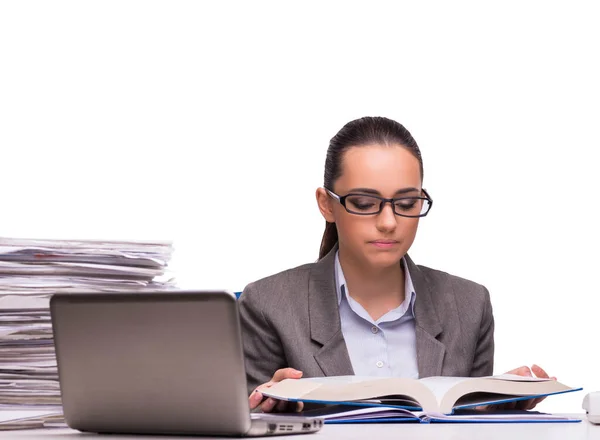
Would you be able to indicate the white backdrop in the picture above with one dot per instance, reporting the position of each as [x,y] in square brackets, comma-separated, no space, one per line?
[207,123]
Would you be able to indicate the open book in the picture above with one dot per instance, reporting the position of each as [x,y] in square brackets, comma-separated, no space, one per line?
[434,397]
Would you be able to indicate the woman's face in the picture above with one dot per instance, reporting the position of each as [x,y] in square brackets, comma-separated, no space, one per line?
[379,240]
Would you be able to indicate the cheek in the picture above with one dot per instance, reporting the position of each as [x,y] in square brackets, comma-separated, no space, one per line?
[407,229]
[351,229]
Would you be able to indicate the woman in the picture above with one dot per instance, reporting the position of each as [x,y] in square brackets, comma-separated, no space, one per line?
[365,307]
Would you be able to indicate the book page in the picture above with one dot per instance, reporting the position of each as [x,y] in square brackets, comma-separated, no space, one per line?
[339,379]
[348,413]
[485,390]
[340,389]
[514,416]
[440,385]
[517,378]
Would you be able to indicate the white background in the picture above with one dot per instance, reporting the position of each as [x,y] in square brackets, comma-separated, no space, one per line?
[207,123]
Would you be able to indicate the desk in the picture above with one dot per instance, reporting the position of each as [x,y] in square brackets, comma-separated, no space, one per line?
[398,431]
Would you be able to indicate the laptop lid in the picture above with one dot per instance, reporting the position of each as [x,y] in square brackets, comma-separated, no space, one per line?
[151,362]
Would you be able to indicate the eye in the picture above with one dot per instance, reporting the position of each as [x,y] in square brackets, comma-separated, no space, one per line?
[407,204]
[362,203]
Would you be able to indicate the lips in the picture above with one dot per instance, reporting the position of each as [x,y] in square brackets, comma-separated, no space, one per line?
[384,244]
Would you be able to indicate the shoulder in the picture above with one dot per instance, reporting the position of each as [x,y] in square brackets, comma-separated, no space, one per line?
[463,291]
[460,305]
[280,287]
[438,277]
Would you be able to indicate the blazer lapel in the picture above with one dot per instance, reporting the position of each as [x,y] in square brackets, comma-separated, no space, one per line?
[325,327]
[430,351]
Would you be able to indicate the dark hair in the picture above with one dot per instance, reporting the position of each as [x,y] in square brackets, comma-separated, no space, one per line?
[363,131]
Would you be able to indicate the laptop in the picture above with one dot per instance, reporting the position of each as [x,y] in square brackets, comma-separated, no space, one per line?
[167,362]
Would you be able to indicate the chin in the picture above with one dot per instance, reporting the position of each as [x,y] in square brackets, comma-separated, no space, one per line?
[385,259]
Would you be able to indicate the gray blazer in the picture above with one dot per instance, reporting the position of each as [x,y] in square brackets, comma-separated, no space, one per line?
[292,319]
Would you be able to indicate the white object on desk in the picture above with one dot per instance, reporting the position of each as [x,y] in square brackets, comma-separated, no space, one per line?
[591,405]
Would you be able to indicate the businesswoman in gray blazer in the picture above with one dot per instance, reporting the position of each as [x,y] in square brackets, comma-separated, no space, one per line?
[365,307]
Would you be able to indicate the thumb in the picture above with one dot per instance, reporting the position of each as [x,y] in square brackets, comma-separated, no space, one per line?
[286,373]
[524,371]
[521,371]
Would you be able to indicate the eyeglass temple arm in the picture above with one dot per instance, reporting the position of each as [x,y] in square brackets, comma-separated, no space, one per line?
[332,194]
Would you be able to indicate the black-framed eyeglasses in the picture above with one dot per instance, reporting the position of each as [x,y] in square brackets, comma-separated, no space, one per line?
[367,204]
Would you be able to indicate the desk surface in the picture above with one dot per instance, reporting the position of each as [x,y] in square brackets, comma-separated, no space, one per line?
[558,431]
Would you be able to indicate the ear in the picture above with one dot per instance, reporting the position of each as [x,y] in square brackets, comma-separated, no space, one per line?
[325,203]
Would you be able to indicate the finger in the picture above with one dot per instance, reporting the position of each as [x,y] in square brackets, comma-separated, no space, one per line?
[286,373]
[539,371]
[522,404]
[499,406]
[255,398]
[532,403]
[521,371]
[282,406]
[265,385]
[538,400]
[268,405]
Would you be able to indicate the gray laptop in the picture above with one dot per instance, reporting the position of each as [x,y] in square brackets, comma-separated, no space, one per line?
[157,363]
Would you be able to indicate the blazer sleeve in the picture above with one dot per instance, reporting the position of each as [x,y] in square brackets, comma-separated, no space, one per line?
[263,351]
[483,362]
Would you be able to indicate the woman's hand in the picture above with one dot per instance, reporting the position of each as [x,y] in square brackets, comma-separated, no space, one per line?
[534,371]
[274,405]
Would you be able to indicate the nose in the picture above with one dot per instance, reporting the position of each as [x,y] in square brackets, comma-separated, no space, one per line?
[386,219]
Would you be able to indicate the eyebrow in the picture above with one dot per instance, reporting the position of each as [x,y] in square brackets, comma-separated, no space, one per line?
[377,193]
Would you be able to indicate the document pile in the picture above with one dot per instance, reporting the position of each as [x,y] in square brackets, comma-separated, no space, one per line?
[30,272]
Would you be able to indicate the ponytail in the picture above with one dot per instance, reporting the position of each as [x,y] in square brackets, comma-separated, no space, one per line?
[330,239]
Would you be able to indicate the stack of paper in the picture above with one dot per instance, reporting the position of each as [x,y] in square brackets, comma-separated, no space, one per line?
[30,272]
[30,419]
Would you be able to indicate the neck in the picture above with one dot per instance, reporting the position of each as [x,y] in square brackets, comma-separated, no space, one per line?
[377,289]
